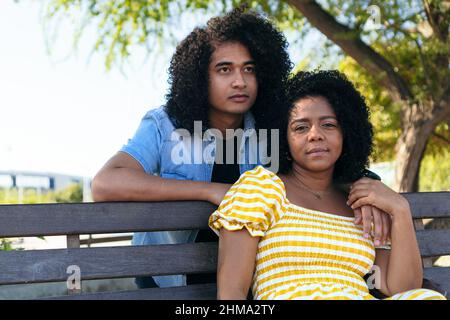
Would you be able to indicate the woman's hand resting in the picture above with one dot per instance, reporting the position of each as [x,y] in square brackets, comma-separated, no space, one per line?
[367,214]
[375,193]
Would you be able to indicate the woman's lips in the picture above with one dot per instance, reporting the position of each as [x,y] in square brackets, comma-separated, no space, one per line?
[239,98]
[317,152]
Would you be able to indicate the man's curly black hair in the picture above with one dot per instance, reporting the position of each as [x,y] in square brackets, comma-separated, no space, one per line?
[187,100]
[352,115]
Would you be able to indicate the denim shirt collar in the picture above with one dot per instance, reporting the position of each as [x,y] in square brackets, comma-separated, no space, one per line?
[249,121]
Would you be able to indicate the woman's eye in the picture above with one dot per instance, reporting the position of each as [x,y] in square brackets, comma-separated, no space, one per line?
[301,128]
[330,125]
[224,70]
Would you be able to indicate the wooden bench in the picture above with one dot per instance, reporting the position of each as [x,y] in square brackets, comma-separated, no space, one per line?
[73,220]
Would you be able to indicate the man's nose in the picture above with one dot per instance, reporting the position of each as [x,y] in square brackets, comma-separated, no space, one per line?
[239,81]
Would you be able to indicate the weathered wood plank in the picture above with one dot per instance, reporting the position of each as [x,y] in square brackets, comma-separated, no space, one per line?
[208,291]
[109,262]
[440,275]
[429,204]
[102,217]
[116,217]
[433,242]
[191,292]
[418,225]
[73,241]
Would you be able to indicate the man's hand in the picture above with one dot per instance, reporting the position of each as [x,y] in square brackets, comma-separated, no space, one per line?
[375,193]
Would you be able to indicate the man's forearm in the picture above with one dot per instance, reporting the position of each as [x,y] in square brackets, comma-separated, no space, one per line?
[125,184]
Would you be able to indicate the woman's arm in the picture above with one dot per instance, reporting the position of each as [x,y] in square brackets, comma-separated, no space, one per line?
[405,264]
[236,264]
[401,269]
[123,179]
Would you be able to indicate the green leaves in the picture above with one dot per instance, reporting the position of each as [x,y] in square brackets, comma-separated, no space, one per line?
[412,35]
[73,193]
[122,24]
[5,245]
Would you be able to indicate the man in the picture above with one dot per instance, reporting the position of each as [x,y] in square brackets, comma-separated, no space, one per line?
[228,75]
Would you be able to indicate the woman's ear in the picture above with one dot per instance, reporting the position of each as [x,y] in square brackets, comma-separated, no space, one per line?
[288,156]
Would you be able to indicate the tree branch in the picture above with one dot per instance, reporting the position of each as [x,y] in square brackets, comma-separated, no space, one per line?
[424,64]
[345,38]
[437,20]
[441,137]
[441,110]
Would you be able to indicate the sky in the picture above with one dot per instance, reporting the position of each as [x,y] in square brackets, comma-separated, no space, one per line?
[62,112]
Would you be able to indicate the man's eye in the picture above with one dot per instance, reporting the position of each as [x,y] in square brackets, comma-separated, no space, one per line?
[224,70]
[249,69]
[301,128]
[330,125]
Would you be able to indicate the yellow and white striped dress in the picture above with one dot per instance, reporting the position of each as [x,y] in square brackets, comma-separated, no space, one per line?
[302,253]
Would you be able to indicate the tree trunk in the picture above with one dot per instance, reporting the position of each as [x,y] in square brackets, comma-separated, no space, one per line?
[410,148]
[419,122]
[416,183]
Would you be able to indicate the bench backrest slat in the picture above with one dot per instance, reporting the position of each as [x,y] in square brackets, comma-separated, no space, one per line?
[191,292]
[429,204]
[106,217]
[433,242]
[116,217]
[439,275]
[108,262]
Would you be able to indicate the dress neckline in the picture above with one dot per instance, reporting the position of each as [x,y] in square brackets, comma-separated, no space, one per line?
[300,208]
[327,214]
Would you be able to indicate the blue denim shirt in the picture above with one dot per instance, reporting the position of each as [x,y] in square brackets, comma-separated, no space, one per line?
[153,145]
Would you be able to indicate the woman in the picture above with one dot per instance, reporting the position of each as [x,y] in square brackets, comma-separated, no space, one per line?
[296,232]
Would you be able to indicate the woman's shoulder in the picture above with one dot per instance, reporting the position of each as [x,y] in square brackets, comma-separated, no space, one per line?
[263,178]
[261,173]
[256,200]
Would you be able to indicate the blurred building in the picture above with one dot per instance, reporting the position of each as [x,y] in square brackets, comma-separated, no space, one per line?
[43,181]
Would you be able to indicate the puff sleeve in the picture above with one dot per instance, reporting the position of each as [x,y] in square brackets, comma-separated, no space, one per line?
[256,201]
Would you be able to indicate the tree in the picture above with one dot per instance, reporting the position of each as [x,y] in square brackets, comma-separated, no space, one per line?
[407,56]
[385,116]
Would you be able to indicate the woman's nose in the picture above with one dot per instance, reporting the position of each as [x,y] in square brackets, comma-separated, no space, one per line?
[315,133]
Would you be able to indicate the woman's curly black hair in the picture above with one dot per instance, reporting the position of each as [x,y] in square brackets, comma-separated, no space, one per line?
[352,115]
[187,100]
